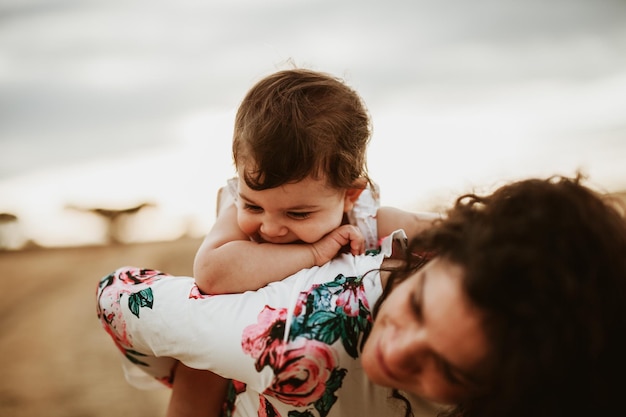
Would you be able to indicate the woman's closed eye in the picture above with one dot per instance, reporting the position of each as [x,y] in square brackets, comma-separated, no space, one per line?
[416,302]
[448,372]
[417,299]
[416,308]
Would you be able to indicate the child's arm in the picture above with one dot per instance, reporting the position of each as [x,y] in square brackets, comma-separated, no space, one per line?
[390,219]
[196,393]
[228,262]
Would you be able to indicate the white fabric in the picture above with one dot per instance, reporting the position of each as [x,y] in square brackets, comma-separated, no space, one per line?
[206,333]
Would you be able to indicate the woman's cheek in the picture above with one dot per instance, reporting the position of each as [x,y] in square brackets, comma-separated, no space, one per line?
[437,388]
[369,360]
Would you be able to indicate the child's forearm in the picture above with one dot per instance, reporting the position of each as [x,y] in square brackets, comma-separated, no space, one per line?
[240,266]
[413,223]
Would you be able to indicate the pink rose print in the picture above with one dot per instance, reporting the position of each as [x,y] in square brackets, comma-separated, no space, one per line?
[306,369]
[271,354]
[234,389]
[268,331]
[238,386]
[168,381]
[352,298]
[301,372]
[126,280]
[196,294]
[134,276]
[266,409]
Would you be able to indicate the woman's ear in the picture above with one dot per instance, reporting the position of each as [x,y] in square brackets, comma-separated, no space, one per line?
[353,193]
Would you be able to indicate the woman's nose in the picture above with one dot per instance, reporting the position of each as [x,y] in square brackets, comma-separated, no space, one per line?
[408,352]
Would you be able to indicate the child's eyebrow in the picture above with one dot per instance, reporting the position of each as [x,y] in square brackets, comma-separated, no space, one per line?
[243,197]
[304,207]
[301,207]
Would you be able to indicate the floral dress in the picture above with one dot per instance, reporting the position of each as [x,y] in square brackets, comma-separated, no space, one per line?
[291,348]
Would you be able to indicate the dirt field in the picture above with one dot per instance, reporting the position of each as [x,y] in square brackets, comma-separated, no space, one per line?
[56,360]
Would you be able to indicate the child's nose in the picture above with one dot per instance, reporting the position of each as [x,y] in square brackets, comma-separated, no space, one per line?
[272,228]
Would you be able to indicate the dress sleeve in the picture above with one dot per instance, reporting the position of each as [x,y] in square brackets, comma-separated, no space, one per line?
[154,317]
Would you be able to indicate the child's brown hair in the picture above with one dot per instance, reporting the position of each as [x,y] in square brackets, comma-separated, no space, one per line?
[298,123]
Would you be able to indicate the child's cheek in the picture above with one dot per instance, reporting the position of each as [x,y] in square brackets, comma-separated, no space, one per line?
[247,224]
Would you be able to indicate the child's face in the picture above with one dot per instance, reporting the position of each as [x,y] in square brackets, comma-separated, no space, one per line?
[298,212]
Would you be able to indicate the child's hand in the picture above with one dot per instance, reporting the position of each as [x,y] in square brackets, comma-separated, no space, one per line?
[330,245]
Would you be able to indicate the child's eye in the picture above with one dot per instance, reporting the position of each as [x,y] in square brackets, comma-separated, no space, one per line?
[252,208]
[299,215]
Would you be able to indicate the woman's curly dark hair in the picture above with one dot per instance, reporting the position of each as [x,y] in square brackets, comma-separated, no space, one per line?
[545,261]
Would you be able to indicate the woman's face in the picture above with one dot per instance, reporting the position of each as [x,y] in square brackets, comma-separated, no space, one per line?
[427,339]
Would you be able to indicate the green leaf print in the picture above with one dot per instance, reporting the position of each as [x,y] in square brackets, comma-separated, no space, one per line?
[296,413]
[143,298]
[324,326]
[130,357]
[269,409]
[324,404]
[318,322]
[350,335]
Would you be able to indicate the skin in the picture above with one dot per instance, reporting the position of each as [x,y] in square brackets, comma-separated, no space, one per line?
[298,212]
[264,225]
[286,229]
[196,393]
[427,338]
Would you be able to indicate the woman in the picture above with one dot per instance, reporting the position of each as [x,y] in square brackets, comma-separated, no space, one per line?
[509,306]
[540,267]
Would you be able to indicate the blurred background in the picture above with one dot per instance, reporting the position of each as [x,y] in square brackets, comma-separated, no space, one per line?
[122,111]
[116,121]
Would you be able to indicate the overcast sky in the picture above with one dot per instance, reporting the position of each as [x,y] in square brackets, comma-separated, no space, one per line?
[476,91]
